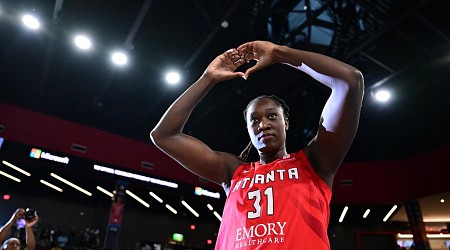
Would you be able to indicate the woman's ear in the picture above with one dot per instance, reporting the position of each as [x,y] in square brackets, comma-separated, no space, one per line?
[286,123]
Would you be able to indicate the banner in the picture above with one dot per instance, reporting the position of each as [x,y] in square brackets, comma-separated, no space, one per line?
[116,216]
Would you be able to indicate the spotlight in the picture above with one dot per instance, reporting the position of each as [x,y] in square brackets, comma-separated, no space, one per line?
[382,95]
[173,77]
[224,24]
[119,58]
[31,22]
[82,42]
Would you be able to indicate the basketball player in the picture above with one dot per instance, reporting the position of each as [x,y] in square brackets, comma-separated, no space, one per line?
[282,200]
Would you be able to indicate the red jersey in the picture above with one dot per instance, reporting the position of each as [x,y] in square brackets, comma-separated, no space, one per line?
[280,205]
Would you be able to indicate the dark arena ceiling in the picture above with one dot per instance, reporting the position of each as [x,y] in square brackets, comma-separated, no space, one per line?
[399,45]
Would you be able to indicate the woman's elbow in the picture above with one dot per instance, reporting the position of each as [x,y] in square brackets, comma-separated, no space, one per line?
[356,81]
[358,78]
[155,136]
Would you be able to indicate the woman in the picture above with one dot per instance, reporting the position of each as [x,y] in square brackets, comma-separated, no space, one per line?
[281,201]
[14,243]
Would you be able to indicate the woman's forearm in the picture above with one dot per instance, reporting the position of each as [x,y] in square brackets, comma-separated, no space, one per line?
[175,118]
[321,67]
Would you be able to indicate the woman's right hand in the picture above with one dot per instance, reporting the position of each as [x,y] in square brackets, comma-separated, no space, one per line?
[265,53]
[18,214]
[223,67]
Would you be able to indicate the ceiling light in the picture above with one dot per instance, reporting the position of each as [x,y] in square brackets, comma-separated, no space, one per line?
[31,22]
[404,236]
[366,213]
[431,236]
[224,24]
[10,176]
[173,77]
[341,218]
[156,197]
[390,213]
[48,184]
[119,58]
[438,219]
[82,42]
[190,208]
[16,168]
[438,236]
[171,209]
[217,215]
[382,95]
[137,198]
[71,184]
[442,200]
[210,207]
[105,191]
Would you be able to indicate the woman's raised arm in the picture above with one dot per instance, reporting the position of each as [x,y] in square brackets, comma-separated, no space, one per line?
[190,152]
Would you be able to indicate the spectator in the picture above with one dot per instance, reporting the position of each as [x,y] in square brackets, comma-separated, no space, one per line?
[14,243]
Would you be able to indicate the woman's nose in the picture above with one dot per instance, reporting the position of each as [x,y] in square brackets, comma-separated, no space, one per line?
[264,125]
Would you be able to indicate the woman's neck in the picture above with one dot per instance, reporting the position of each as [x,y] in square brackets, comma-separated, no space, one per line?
[268,158]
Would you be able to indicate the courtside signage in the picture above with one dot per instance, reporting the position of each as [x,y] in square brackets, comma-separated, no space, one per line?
[135,176]
[39,154]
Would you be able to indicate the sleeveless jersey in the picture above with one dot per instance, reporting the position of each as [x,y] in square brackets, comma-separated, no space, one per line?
[280,205]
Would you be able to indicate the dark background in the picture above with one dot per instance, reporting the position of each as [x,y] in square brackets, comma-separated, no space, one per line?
[402,46]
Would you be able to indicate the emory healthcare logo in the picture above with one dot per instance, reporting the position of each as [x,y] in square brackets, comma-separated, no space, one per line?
[35,153]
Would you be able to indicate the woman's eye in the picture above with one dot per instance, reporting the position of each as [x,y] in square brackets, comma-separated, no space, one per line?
[272,116]
[253,119]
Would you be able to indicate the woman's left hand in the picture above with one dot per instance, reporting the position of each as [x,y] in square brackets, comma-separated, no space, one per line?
[223,67]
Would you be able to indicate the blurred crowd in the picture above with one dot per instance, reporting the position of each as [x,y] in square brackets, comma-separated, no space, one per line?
[49,238]
[19,232]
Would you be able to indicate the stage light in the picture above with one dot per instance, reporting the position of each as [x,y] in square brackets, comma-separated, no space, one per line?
[31,22]
[430,236]
[190,209]
[217,215]
[119,58]
[390,213]
[224,24]
[71,184]
[10,176]
[105,191]
[366,213]
[341,218]
[382,95]
[156,197]
[137,198]
[171,209]
[16,168]
[82,42]
[48,184]
[6,197]
[173,77]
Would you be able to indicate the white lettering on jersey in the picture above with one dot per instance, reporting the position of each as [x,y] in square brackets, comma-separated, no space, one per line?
[272,176]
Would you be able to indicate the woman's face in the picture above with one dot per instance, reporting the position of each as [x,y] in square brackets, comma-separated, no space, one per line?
[12,243]
[266,125]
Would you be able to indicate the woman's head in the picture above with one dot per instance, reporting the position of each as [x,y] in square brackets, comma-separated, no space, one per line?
[280,102]
[11,243]
[267,121]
